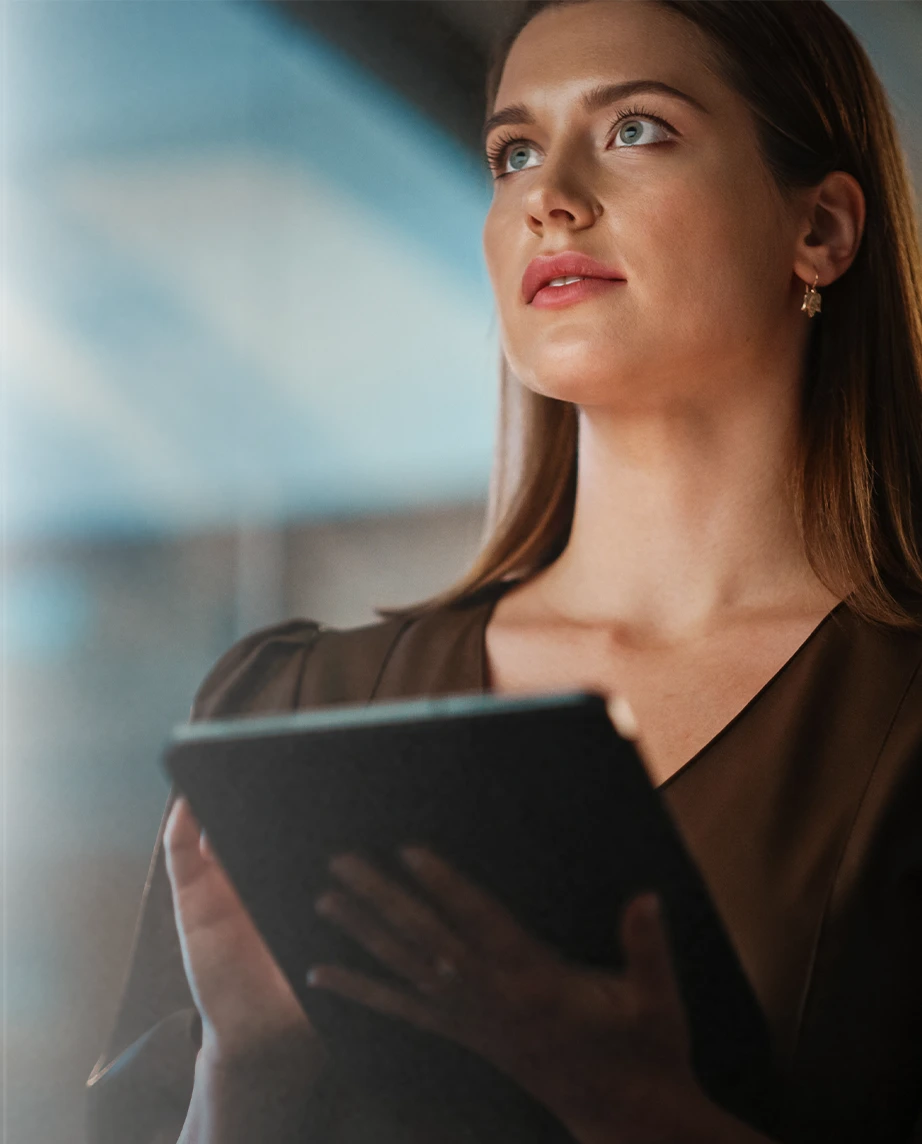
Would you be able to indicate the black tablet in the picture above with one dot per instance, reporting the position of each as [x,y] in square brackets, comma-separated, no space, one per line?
[535,798]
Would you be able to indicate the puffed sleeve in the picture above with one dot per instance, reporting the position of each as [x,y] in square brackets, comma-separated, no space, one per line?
[140,1088]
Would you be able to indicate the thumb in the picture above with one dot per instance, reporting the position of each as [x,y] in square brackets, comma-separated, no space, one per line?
[182,844]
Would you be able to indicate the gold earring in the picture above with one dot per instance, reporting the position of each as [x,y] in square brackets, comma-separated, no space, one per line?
[813,300]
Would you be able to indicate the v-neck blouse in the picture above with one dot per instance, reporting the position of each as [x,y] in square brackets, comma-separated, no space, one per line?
[804,814]
[487,609]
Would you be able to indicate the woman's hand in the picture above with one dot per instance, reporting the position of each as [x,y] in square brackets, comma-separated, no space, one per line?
[600,1050]
[248,1009]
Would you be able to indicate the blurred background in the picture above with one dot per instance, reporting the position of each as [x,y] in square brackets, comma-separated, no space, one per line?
[249,361]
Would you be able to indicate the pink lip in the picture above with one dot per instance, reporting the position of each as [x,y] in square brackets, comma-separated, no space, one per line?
[552,297]
[567,264]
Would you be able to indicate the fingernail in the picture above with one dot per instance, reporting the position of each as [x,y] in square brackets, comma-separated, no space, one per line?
[622,717]
[650,907]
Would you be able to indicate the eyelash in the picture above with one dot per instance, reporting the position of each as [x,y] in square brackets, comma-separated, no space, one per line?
[497,150]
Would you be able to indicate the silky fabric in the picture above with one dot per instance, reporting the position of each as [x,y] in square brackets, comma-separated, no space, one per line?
[804,814]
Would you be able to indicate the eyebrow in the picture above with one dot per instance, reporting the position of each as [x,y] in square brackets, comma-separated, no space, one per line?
[594,100]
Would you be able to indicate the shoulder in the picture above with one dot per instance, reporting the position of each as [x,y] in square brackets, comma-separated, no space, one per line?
[305,663]
[298,663]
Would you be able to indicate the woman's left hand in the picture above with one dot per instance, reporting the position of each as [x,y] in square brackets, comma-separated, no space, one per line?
[601,1050]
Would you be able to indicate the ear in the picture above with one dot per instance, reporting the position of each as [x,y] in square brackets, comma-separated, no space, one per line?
[831,229]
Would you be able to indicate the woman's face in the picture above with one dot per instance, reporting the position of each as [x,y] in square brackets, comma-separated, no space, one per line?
[684,209]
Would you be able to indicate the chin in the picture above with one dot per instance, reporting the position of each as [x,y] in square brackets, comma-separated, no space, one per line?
[580,382]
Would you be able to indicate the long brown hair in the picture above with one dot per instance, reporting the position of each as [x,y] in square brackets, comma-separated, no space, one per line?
[818,106]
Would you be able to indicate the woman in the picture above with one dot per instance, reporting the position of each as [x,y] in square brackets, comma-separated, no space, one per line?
[716,520]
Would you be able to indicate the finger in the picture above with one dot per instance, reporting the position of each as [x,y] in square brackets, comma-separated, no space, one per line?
[405,914]
[181,844]
[389,950]
[203,895]
[622,717]
[481,920]
[377,996]
[647,949]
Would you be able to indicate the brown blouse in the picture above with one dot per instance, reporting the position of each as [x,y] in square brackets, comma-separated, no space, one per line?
[804,814]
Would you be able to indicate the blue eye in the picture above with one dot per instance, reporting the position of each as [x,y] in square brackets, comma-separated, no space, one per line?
[507,148]
[634,125]
[518,151]
[497,153]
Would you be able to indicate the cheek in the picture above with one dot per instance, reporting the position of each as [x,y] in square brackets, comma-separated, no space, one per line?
[493,251]
[706,262]
[507,247]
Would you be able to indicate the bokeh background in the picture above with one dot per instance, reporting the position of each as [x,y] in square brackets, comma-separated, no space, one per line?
[249,359]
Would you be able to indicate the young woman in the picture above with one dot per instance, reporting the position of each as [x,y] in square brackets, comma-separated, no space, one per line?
[708,278]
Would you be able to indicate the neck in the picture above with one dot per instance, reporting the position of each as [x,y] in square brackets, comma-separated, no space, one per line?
[684,522]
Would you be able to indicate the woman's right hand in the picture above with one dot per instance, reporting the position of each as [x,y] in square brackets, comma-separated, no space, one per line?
[248,1008]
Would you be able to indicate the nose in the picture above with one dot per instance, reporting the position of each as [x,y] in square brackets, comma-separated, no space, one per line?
[557,196]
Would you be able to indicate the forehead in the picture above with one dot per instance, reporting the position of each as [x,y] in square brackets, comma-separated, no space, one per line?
[565,47]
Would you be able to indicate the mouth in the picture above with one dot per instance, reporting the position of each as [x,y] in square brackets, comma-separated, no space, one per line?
[563,271]
[552,297]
